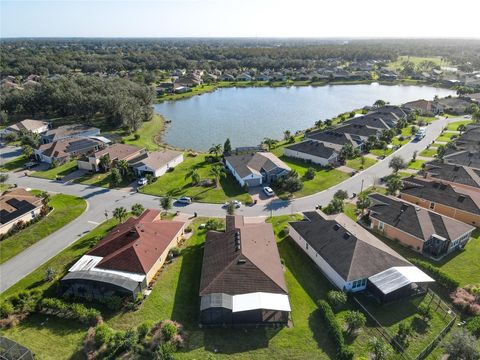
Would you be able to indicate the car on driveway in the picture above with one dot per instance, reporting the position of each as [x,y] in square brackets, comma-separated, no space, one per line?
[184,200]
[236,203]
[142,181]
[30,164]
[268,191]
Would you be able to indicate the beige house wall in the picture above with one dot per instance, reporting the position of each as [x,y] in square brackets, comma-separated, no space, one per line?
[396,234]
[25,218]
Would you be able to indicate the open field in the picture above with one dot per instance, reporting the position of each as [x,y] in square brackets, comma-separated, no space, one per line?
[395,65]
[65,209]
[176,183]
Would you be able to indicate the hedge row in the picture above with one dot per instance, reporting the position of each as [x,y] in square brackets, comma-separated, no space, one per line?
[443,278]
[66,310]
[335,330]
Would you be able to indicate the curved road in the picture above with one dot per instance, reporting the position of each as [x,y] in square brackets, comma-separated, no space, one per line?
[101,199]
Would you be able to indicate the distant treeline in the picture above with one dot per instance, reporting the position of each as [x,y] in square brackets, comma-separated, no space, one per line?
[61,56]
[123,103]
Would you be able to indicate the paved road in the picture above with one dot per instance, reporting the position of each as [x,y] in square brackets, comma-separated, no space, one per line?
[100,199]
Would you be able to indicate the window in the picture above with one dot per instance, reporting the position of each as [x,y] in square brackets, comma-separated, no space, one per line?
[432,205]
[381,225]
[364,282]
[306,245]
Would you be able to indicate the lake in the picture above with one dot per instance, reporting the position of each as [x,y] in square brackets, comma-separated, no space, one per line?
[247,115]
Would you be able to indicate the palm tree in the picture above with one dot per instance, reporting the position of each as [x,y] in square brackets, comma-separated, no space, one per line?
[166,203]
[120,213]
[461,128]
[379,103]
[217,172]
[194,175]
[104,163]
[286,135]
[123,167]
[216,149]
[269,143]
[137,209]
[394,184]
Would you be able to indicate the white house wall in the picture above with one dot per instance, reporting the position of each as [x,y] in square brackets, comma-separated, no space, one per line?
[308,157]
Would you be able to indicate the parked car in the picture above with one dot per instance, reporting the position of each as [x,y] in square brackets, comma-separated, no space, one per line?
[30,164]
[184,200]
[235,202]
[142,181]
[268,191]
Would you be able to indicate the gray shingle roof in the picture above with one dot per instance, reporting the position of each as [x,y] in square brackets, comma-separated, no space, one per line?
[314,148]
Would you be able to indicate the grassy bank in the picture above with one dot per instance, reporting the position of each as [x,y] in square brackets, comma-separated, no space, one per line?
[65,209]
[148,134]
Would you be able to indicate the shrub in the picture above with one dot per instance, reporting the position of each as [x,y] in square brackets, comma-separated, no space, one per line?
[103,334]
[175,251]
[425,311]
[136,137]
[213,224]
[441,277]
[355,320]
[336,298]
[165,351]
[6,309]
[309,174]
[144,329]
[169,330]
[188,229]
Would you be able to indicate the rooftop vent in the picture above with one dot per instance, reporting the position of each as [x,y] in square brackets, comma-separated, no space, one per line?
[336,227]
[456,168]
[461,198]
[404,207]
[347,235]
[241,261]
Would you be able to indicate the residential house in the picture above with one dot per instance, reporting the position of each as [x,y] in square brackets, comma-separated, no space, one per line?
[424,107]
[69,132]
[242,280]
[470,137]
[227,77]
[455,105]
[351,257]
[189,80]
[443,198]
[256,169]
[115,153]
[62,151]
[474,97]
[335,139]
[29,125]
[469,156]
[156,163]
[165,88]
[420,229]
[244,77]
[456,175]
[126,260]
[312,151]
[17,205]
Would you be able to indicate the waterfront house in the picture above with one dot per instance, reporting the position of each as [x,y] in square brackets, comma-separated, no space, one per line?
[115,153]
[62,151]
[156,163]
[69,132]
[312,151]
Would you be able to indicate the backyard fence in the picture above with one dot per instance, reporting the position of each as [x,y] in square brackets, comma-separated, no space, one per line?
[11,350]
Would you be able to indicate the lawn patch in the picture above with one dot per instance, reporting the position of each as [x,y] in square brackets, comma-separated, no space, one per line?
[416,164]
[357,163]
[59,171]
[454,125]
[446,137]
[65,209]
[14,164]
[429,152]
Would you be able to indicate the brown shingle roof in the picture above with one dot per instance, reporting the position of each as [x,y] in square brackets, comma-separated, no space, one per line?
[137,244]
[28,125]
[252,264]
[15,203]
[156,159]
[247,164]
[118,151]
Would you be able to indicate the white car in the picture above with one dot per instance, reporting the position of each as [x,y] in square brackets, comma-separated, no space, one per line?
[268,191]
[184,200]
[236,203]
[142,181]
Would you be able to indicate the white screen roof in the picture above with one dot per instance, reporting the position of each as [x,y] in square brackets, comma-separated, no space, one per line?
[397,277]
[260,300]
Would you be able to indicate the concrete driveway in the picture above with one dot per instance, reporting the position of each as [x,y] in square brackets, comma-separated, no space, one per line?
[9,153]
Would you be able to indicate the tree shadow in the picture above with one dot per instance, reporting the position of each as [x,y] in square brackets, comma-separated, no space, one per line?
[320,333]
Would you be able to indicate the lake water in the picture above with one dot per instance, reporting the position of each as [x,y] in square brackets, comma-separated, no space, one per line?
[247,115]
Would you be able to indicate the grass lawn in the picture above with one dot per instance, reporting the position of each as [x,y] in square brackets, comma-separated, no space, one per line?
[429,152]
[416,165]
[14,164]
[454,125]
[175,183]
[381,152]
[357,163]
[397,64]
[446,137]
[100,179]
[60,171]
[323,179]
[427,119]
[149,133]
[349,210]
[65,209]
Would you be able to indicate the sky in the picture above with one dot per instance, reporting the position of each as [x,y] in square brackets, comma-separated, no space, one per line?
[240,18]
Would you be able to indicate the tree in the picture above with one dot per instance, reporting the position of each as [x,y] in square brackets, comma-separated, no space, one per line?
[341,194]
[462,346]
[336,298]
[215,149]
[269,143]
[116,177]
[227,147]
[441,150]
[166,203]
[346,152]
[104,163]
[27,151]
[413,130]
[123,167]
[137,209]
[292,184]
[286,135]
[355,320]
[379,348]
[3,177]
[397,163]
[230,208]
[363,201]
[476,115]
[425,312]
[461,128]
[213,224]
[379,103]
[309,174]
[217,172]
[394,184]
[335,206]
[194,175]
[120,213]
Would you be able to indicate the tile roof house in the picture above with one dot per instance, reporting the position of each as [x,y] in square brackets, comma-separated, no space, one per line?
[313,151]
[420,229]
[350,256]
[424,107]
[256,169]
[457,175]
[375,121]
[63,150]
[115,152]
[242,280]
[29,125]
[127,259]
[455,105]
[68,132]
[453,201]
[467,156]
[156,163]
[17,205]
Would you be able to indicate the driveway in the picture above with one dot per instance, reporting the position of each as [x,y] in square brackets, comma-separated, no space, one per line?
[101,200]
[9,153]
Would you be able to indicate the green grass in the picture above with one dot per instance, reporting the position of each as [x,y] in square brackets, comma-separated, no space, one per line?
[323,179]
[65,209]
[454,125]
[381,152]
[416,165]
[14,164]
[60,171]
[175,183]
[101,180]
[349,210]
[429,152]
[149,133]
[397,64]
[427,119]
[357,163]
[446,137]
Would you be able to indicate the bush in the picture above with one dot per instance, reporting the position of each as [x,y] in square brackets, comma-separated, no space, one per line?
[103,334]
[473,325]
[6,309]
[144,329]
[136,137]
[188,229]
[175,251]
[336,298]
[309,174]
[213,224]
[441,277]
[63,309]
[169,330]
